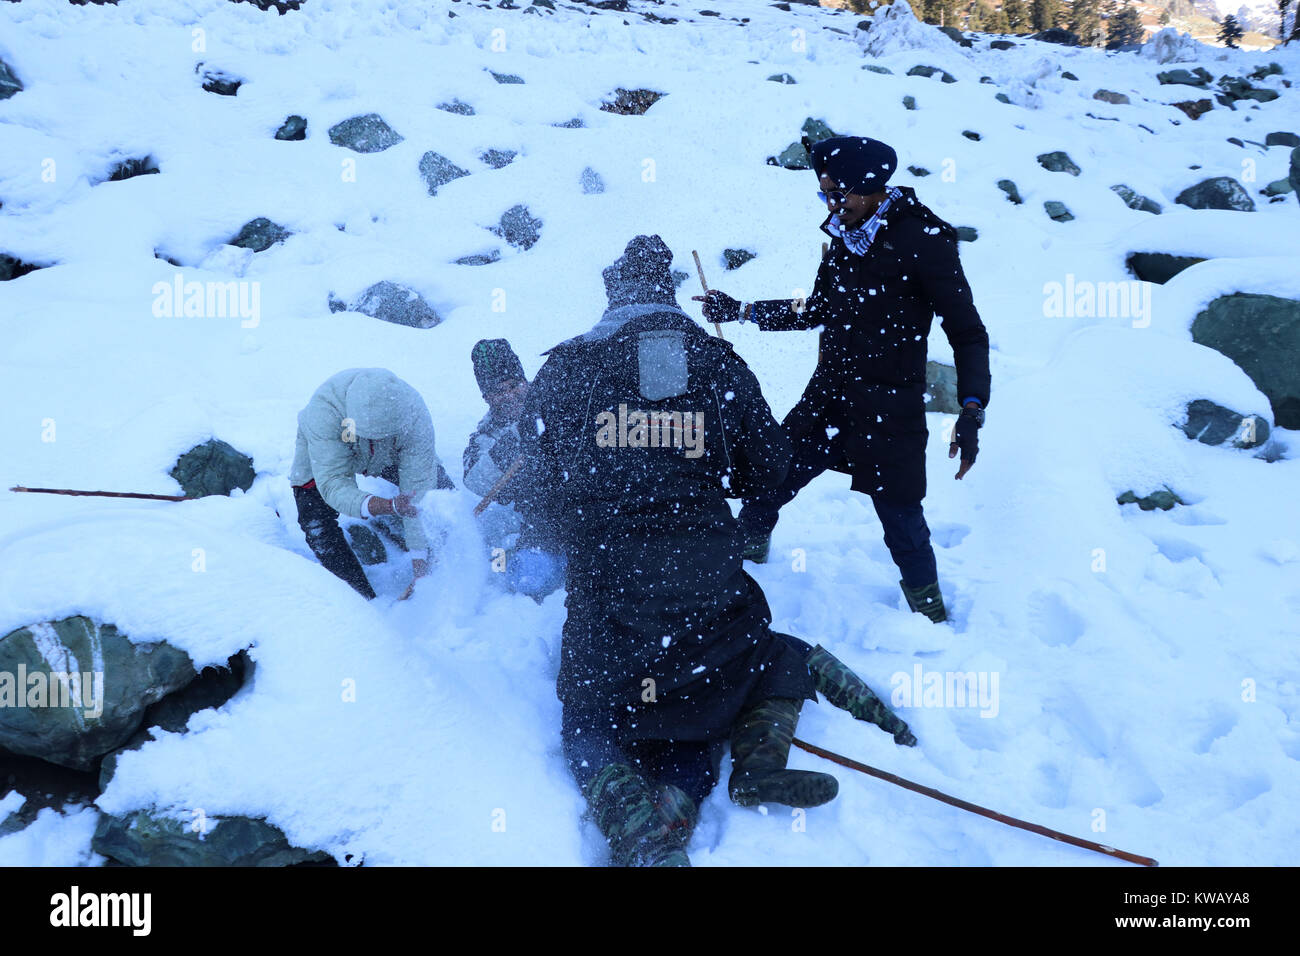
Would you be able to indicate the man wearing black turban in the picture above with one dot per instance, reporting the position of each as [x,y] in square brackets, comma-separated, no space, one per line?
[891,266]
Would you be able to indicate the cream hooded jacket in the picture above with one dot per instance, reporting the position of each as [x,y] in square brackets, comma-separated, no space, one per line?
[364,421]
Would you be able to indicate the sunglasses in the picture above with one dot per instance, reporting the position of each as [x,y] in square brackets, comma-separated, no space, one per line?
[837,195]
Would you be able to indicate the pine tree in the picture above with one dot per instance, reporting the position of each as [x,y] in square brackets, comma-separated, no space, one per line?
[948,13]
[1231,31]
[996,21]
[1042,14]
[1281,9]
[930,11]
[1125,28]
[1164,18]
[1015,12]
[1085,22]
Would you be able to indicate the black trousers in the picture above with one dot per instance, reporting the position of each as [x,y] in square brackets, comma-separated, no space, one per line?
[320,523]
[907,536]
[590,744]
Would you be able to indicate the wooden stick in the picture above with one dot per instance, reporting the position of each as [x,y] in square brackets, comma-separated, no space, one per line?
[501,483]
[98,494]
[705,285]
[975,808]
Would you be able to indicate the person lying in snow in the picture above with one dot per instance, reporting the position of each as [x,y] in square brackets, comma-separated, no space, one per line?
[492,450]
[634,434]
[363,421]
[891,266]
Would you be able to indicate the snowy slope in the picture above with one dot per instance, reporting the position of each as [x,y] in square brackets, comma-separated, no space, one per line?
[1120,713]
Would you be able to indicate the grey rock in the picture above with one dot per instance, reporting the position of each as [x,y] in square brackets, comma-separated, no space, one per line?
[785,78]
[60,725]
[1057,210]
[507,78]
[1218,192]
[457,107]
[928,71]
[592,183]
[1110,96]
[575,123]
[941,389]
[1282,139]
[1158,267]
[437,170]
[1278,187]
[130,168]
[499,158]
[148,838]
[1001,45]
[1067,75]
[1002,98]
[1293,173]
[971,135]
[1164,499]
[390,302]
[292,129]
[735,258]
[1213,424]
[364,134]
[679,276]
[1261,333]
[967,234]
[918,170]
[1194,109]
[11,267]
[1135,200]
[876,68]
[480,259]
[909,102]
[260,234]
[1009,187]
[795,156]
[1181,77]
[9,82]
[213,468]
[519,228]
[220,82]
[1058,161]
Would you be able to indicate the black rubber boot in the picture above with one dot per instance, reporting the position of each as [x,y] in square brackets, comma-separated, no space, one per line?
[320,524]
[927,600]
[624,808]
[847,691]
[760,747]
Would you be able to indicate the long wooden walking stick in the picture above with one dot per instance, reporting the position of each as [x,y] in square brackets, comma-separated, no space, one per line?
[496,489]
[98,494]
[975,808]
[705,285]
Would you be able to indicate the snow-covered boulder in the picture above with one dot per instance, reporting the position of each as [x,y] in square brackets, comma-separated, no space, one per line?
[72,690]
[364,134]
[1217,192]
[213,468]
[895,28]
[1261,333]
[1170,46]
[188,838]
[519,227]
[9,83]
[390,302]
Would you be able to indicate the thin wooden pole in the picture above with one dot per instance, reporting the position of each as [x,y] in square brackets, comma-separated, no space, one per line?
[974,807]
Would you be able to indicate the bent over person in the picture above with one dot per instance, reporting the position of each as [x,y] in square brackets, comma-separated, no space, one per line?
[635,434]
[892,265]
[363,421]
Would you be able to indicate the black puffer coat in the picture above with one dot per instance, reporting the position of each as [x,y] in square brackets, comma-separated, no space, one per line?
[875,312]
[655,586]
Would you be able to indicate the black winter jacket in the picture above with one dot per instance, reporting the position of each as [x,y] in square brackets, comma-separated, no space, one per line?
[875,313]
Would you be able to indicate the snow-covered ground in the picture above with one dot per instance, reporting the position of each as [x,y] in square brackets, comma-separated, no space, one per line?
[1146,667]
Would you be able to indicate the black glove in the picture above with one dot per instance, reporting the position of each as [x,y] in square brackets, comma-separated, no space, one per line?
[965,437]
[719,307]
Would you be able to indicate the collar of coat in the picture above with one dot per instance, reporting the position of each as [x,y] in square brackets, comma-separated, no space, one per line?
[905,205]
[614,320]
